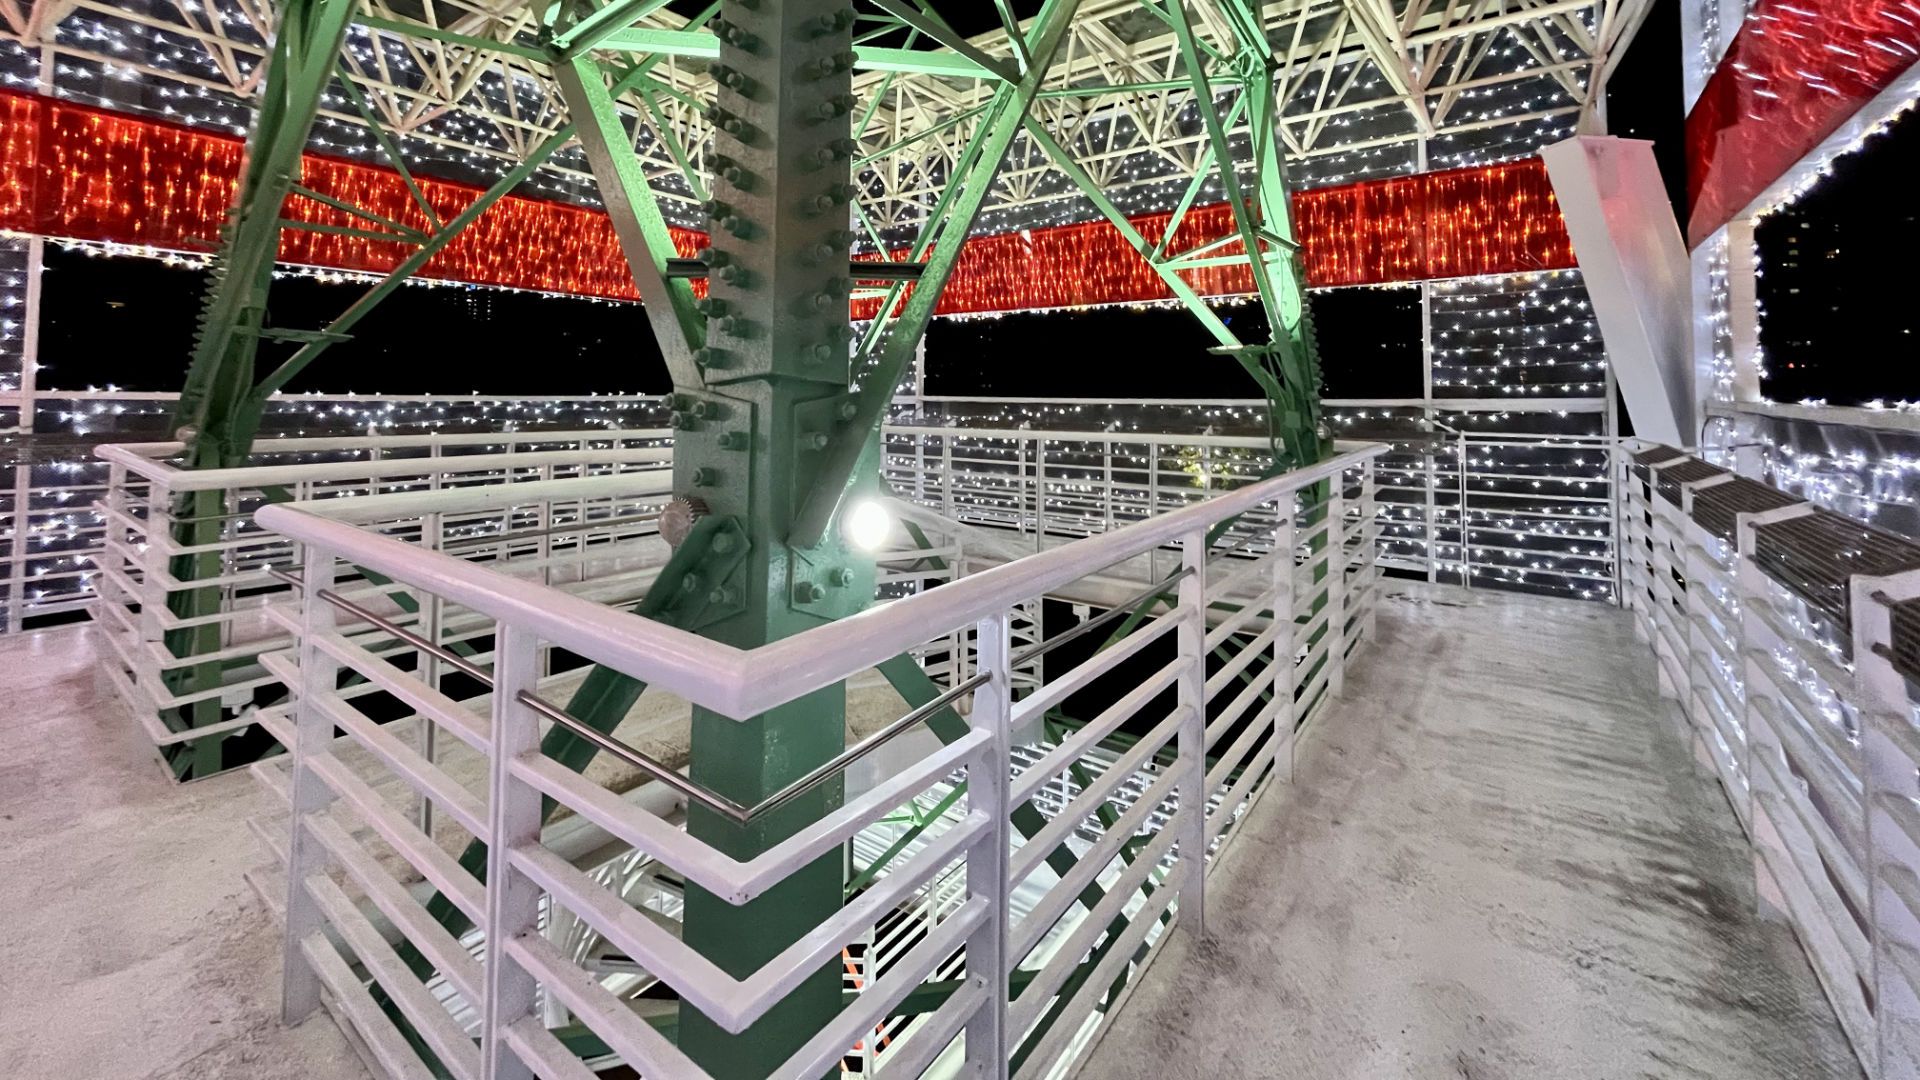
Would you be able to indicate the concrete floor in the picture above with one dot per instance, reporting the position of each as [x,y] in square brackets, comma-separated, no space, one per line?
[131,948]
[1499,861]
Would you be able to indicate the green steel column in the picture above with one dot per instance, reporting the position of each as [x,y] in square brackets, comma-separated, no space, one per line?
[306,44]
[212,409]
[775,362]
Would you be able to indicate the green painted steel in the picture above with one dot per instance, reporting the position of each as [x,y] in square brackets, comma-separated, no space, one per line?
[1003,120]
[777,433]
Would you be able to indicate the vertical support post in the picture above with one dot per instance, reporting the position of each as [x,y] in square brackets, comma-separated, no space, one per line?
[987,790]
[1370,547]
[22,540]
[946,475]
[1020,485]
[1039,493]
[1892,786]
[30,332]
[1751,585]
[310,795]
[1693,702]
[1192,740]
[1336,628]
[920,469]
[1153,501]
[1614,457]
[113,538]
[1106,490]
[1466,528]
[1285,718]
[513,819]
[431,609]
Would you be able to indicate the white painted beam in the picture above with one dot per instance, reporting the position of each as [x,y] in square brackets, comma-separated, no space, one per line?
[1635,263]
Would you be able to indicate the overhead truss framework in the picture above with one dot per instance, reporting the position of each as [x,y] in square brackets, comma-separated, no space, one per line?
[464,81]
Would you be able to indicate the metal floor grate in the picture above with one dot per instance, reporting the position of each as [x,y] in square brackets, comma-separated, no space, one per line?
[1904,651]
[1813,556]
[1717,508]
[1684,472]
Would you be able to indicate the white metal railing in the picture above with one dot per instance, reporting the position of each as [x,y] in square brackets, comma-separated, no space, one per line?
[1809,726]
[1539,511]
[183,612]
[1047,486]
[1279,609]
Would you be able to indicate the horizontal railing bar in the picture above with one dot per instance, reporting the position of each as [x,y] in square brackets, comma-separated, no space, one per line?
[451,659]
[737,682]
[1120,608]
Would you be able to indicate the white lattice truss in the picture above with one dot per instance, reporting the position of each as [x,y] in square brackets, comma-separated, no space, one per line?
[1398,71]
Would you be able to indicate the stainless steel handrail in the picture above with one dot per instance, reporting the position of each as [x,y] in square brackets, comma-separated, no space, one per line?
[692,790]
[639,759]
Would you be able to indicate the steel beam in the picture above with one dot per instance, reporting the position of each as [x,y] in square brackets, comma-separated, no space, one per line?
[1003,120]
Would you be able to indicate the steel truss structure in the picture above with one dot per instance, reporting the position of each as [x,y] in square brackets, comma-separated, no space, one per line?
[469,86]
[800,128]
[778,406]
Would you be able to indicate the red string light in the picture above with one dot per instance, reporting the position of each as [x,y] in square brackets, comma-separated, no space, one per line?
[86,174]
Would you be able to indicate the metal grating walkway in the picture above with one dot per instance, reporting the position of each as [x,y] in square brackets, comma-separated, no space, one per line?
[1498,860]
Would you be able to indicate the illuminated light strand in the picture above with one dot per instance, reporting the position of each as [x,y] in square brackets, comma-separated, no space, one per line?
[87,174]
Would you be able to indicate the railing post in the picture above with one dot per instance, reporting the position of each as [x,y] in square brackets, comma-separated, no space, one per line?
[1466,530]
[1694,557]
[1660,537]
[1106,506]
[1616,504]
[310,795]
[1432,532]
[1890,753]
[1153,501]
[1636,573]
[431,606]
[1370,547]
[987,786]
[946,475]
[113,541]
[1750,586]
[513,819]
[1336,628]
[1192,633]
[1039,493]
[1284,673]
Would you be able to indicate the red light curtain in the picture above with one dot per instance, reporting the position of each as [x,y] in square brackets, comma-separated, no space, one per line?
[86,174]
[1794,73]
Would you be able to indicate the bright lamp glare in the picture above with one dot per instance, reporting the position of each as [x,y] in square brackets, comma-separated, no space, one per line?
[867,525]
